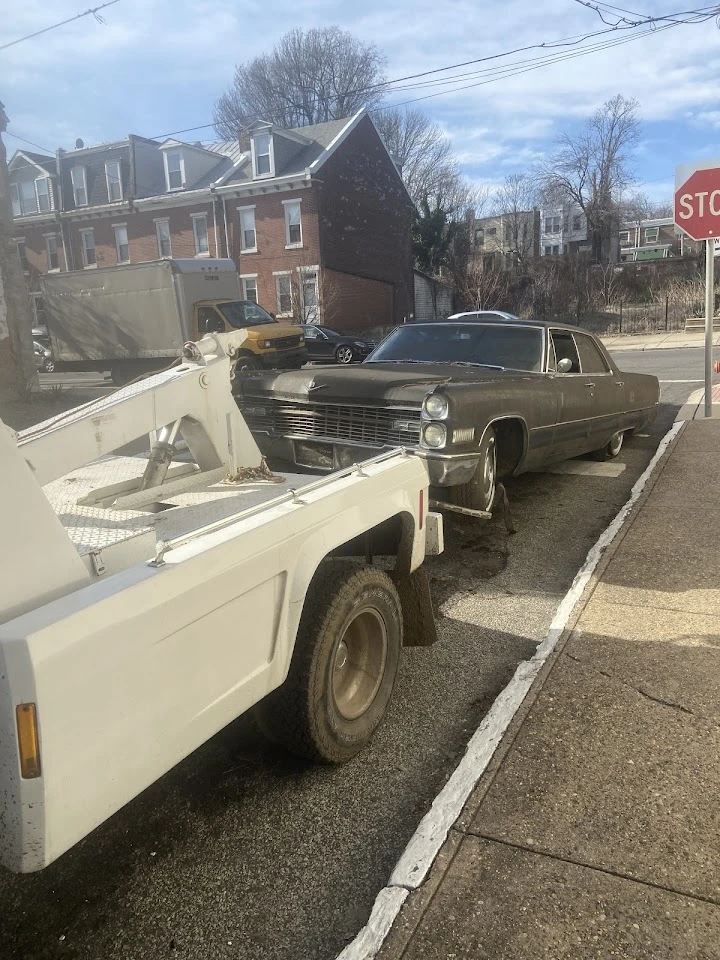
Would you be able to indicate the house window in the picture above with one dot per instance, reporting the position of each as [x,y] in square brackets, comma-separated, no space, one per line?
[200,233]
[79,185]
[293,227]
[262,154]
[114,181]
[87,239]
[42,190]
[479,236]
[162,231]
[624,238]
[24,199]
[548,251]
[552,224]
[555,250]
[283,289]
[491,231]
[248,237]
[122,246]
[249,287]
[51,249]
[309,292]
[651,234]
[22,255]
[577,224]
[175,170]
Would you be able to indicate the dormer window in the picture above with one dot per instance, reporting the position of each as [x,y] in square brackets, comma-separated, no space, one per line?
[79,185]
[114,181]
[262,156]
[175,170]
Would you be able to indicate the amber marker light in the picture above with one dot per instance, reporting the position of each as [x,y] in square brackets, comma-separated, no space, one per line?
[28,740]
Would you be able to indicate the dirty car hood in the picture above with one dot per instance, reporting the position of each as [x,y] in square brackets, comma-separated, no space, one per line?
[392,383]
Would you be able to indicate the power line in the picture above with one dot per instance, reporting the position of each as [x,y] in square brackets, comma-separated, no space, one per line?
[697,16]
[32,143]
[93,11]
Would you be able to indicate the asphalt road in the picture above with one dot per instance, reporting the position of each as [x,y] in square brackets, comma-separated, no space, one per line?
[243,852]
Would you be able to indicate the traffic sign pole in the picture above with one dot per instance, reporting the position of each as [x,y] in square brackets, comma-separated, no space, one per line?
[709,317]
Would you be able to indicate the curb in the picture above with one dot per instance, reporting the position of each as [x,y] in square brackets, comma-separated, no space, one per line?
[434,829]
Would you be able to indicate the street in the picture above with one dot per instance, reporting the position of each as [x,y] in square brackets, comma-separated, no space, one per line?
[244,852]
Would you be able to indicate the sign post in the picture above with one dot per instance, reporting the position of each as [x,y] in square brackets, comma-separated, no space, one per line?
[697,213]
[709,317]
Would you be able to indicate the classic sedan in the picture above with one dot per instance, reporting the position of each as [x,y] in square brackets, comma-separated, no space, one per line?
[324,343]
[480,400]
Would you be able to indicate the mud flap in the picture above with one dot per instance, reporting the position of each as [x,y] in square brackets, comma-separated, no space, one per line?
[419,628]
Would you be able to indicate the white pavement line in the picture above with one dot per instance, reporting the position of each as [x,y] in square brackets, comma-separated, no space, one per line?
[419,855]
[681,381]
[372,936]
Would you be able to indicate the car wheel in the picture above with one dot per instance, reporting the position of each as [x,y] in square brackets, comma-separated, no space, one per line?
[343,667]
[611,449]
[246,361]
[49,366]
[344,354]
[479,492]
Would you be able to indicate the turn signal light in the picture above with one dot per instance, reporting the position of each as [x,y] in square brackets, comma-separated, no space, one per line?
[28,740]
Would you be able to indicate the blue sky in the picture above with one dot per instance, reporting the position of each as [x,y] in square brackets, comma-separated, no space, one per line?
[157,66]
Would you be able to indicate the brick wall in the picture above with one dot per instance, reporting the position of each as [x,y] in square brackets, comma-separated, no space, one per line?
[365,218]
[142,236]
[271,254]
[356,304]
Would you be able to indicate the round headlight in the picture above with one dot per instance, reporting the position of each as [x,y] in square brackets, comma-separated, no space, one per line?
[435,406]
[267,344]
[434,435]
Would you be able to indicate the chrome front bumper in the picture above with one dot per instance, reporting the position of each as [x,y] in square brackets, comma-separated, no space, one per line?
[444,469]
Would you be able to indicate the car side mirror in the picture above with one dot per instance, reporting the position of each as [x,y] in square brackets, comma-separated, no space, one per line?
[565,365]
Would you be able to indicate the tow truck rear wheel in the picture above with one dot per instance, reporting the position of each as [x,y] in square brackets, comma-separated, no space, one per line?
[343,668]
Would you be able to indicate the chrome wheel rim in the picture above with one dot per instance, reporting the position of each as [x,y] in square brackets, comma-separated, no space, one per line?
[344,354]
[489,474]
[359,663]
[615,444]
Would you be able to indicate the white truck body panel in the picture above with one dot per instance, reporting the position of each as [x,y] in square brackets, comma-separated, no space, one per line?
[164,626]
[132,311]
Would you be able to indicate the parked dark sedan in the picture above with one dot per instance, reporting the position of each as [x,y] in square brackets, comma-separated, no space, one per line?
[323,343]
[479,400]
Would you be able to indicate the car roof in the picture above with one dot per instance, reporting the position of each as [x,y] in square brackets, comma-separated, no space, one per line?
[489,320]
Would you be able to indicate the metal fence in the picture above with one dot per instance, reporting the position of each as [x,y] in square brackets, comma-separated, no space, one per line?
[623,317]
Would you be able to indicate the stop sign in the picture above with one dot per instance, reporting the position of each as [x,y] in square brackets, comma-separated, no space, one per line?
[697,200]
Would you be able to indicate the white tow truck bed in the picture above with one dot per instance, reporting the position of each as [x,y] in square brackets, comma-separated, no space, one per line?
[145,603]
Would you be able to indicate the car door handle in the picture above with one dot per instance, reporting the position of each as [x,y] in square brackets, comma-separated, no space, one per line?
[619,383]
[590,385]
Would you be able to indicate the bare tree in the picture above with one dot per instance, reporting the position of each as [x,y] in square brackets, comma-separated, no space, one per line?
[484,287]
[514,208]
[638,207]
[311,76]
[592,170]
[421,149]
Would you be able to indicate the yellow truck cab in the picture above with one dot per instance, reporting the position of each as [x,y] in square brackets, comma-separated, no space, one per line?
[269,343]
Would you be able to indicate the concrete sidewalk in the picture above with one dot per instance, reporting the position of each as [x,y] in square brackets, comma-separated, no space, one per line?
[595,832]
[659,341]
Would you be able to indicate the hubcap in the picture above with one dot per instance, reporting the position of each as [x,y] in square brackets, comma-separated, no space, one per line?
[345,355]
[359,663]
[616,444]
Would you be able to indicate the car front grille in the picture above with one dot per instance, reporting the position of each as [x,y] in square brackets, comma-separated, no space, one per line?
[376,426]
[285,343]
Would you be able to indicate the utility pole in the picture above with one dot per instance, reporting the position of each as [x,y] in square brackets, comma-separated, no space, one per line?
[18,376]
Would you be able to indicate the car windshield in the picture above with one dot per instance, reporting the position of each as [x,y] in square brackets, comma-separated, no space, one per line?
[244,313]
[482,344]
